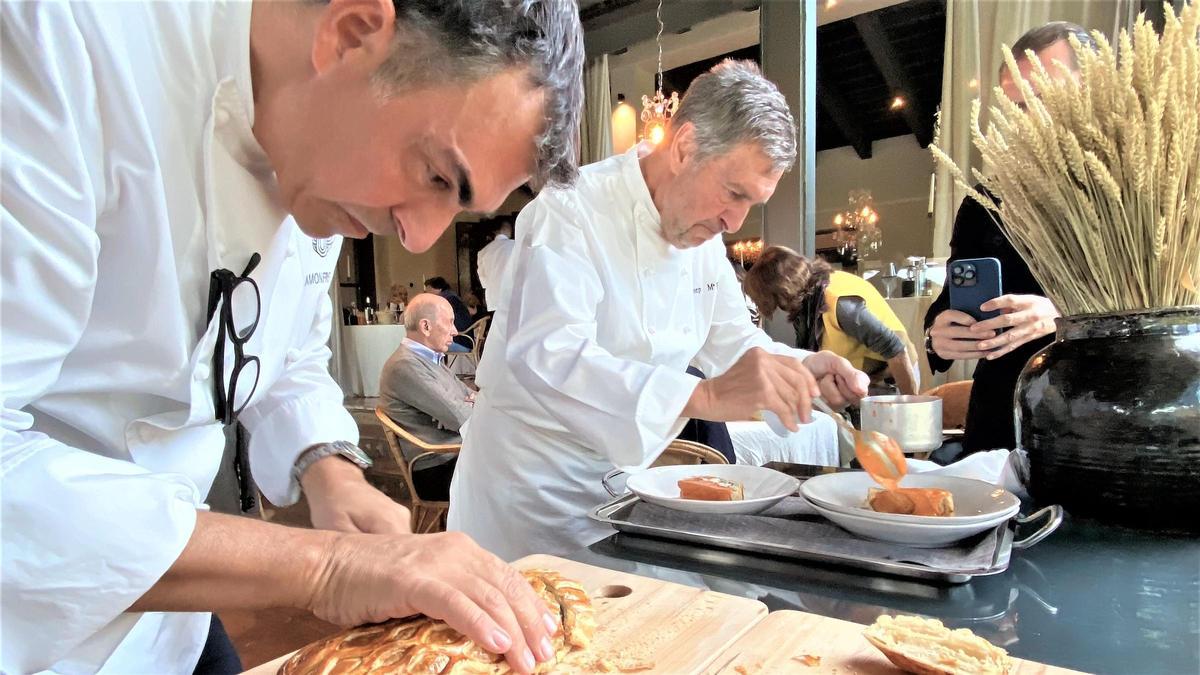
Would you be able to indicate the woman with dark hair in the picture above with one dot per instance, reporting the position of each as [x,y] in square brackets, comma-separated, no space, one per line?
[834,311]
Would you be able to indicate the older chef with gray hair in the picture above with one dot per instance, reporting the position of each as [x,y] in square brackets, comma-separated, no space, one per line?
[616,286]
[176,183]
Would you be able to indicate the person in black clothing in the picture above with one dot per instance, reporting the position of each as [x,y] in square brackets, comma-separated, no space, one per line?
[462,315]
[1004,343]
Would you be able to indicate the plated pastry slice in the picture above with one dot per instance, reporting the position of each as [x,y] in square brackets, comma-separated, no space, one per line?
[711,488]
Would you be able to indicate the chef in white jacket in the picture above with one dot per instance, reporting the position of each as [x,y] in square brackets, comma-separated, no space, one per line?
[616,286]
[146,145]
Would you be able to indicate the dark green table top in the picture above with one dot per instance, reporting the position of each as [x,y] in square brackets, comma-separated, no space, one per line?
[1089,597]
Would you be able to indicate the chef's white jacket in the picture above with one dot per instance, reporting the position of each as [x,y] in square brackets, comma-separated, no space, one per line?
[585,366]
[129,173]
[492,261]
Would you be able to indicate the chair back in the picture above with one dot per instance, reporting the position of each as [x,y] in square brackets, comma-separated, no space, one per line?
[478,333]
[956,397]
[395,434]
[681,452]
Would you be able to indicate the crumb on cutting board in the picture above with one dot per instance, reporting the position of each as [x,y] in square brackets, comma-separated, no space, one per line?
[808,659]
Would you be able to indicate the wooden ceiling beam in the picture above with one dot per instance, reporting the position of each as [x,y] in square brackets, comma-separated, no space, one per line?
[886,58]
[844,116]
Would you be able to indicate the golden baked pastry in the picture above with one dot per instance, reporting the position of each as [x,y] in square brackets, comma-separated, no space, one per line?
[424,645]
[711,489]
[926,647]
[912,501]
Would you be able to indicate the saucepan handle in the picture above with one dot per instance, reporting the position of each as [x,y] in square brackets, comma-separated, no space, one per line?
[608,477]
[1054,517]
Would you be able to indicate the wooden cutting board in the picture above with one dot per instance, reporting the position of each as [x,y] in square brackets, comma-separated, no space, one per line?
[644,624]
[779,643]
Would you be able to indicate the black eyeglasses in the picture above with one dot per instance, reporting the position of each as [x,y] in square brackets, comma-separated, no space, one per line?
[240,304]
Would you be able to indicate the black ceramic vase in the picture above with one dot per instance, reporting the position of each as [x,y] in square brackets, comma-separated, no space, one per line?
[1110,416]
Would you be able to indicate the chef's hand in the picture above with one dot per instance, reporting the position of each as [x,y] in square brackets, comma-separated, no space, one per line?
[340,498]
[372,578]
[841,384]
[758,381]
[1027,317]
[957,335]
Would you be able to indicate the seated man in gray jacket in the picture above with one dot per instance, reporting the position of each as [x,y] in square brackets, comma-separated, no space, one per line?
[421,394]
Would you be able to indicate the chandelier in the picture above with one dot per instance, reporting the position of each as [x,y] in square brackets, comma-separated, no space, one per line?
[750,248]
[658,110]
[857,228]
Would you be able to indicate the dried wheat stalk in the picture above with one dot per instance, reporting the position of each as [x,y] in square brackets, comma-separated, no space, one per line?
[1098,178]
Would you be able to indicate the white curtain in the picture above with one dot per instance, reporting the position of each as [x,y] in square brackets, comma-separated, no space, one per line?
[975,32]
[595,129]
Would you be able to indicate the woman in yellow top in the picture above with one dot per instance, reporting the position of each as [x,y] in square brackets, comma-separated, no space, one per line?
[834,311]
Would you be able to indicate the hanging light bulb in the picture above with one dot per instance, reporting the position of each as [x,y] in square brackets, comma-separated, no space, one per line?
[657,111]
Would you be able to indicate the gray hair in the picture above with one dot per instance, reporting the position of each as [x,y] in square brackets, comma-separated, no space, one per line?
[733,104]
[469,40]
[424,306]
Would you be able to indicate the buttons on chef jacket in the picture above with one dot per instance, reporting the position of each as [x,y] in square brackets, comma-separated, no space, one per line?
[222,116]
[291,250]
[652,331]
[201,372]
[146,433]
[647,272]
[293,355]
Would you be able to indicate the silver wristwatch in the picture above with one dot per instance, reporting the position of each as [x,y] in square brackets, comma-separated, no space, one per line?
[346,449]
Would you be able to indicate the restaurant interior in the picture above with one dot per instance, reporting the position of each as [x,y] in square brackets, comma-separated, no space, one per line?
[872,83]
[1024,504]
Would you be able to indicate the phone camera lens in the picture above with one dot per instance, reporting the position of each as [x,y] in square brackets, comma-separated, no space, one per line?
[969,274]
[957,269]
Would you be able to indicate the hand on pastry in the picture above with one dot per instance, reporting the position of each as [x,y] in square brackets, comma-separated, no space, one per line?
[369,578]
[340,498]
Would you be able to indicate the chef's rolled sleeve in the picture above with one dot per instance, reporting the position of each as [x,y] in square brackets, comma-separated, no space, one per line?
[627,410]
[303,408]
[85,536]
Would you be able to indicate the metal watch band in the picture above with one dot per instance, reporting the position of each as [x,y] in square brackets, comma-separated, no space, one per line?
[346,449]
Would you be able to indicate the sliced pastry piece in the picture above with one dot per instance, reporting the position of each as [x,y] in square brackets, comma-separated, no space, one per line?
[926,647]
[710,489]
[912,501]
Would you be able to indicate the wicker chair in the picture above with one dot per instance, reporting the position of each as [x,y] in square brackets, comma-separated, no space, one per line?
[956,397]
[476,333]
[427,516]
[689,452]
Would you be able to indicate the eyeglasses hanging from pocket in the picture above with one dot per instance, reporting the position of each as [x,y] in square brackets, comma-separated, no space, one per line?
[238,299]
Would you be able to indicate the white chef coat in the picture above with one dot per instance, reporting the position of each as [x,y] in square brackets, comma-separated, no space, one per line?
[491,262]
[129,173]
[585,365]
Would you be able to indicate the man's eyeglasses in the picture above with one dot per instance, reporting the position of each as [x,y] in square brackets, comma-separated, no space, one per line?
[238,299]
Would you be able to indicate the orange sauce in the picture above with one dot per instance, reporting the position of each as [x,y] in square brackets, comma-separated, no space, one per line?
[884,463]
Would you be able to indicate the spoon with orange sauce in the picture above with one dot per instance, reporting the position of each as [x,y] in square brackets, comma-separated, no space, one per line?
[879,454]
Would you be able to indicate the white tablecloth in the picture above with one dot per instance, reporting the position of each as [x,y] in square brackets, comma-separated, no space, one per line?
[754,443]
[368,349]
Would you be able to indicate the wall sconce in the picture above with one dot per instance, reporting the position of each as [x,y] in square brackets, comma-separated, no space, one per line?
[624,125]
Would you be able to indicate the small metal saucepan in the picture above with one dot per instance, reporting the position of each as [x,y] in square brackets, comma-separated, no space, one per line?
[915,422]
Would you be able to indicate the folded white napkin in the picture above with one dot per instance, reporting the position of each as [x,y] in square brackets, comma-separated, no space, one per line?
[1005,468]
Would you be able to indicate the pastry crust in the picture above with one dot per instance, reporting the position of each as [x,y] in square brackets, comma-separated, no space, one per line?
[711,489]
[926,647]
[424,645]
[912,501]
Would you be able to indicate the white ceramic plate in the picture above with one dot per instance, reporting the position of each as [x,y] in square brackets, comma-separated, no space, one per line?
[916,535]
[763,488]
[975,501]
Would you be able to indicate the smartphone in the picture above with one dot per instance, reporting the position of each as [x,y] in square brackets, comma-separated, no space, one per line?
[974,281]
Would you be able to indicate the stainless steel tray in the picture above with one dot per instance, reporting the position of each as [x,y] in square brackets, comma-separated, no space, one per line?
[615,513]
